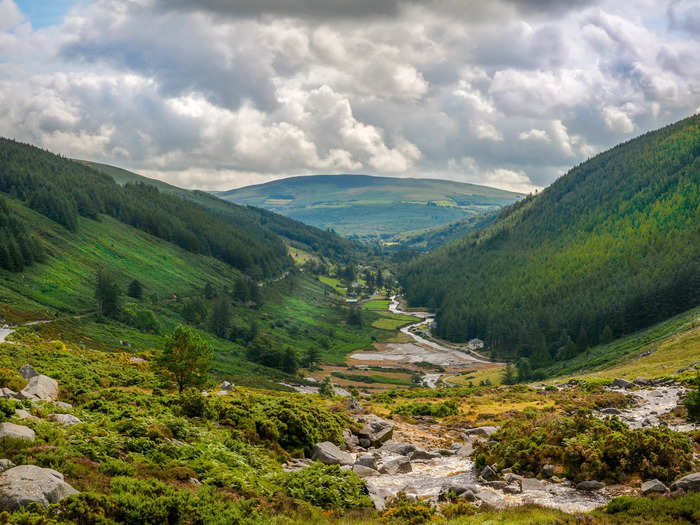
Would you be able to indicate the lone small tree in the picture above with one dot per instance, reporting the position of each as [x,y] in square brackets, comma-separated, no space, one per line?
[186,357]
[509,375]
[326,388]
[107,294]
[290,362]
[135,289]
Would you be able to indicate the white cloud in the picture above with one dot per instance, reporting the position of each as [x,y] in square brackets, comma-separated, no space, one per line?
[514,91]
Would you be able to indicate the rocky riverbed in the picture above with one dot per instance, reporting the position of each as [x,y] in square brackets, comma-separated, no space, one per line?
[426,461]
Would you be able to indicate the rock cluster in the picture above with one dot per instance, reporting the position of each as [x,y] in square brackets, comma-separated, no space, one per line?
[20,486]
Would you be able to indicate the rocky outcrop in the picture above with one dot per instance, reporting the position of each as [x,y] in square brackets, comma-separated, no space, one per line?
[40,387]
[329,454]
[20,486]
[622,383]
[397,447]
[65,419]
[480,431]
[12,431]
[689,483]
[368,460]
[27,372]
[398,465]
[351,440]
[364,471]
[353,405]
[532,484]
[423,455]
[7,393]
[653,486]
[375,431]
[642,381]
[489,474]
[225,385]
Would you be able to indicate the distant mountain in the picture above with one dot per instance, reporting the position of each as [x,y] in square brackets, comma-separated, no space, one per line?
[320,242]
[611,247]
[366,207]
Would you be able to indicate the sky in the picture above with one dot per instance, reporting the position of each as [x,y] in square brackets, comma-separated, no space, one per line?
[218,94]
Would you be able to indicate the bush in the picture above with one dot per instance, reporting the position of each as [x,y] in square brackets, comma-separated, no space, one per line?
[587,447]
[327,486]
[692,402]
[117,467]
[446,408]
[683,509]
[404,510]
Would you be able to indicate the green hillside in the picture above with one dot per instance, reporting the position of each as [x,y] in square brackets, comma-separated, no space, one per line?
[364,207]
[611,247]
[319,241]
[429,239]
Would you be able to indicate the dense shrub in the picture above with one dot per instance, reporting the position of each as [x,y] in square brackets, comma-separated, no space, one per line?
[661,510]
[406,511]
[692,402]
[327,486]
[446,408]
[587,447]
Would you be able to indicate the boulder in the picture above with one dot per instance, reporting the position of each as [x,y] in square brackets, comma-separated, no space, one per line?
[689,483]
[548,471]
[65,419]
[330,454]
[590,485]
[622,383]
[27,372]
[457,487]
[654,486]
[20,486]
[513,488]
[481,431]
[509,477]
[642,381]
[375,431]
[63,405]
[136,360]
[353,404]
[532,484]
[489,474]
[41,387]
[397,447]
[610,411]
[5,464]
[23,414]
[363,471]
[491,499]
[7,393]
[225,385]
[465,450]
[350,439]
[12,431]
[399,465]
[368,460]
[421,455]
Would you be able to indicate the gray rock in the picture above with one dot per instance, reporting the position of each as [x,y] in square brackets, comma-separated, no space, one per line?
[654,486]
[622,383]
[610,411]
[365,442]
[488,474]
[468,495]
[225,385]
[363,471]
[330,454]
[513,488]
[445,451]
[27,372]
[65,419]
[421,455]
[41,387]
[353,404]
[63,405]
[5,464]
[642,381]
[7,393]
[465,450]
[397,447]
[376,430]
[399,465]
[10,430]
[689,483]
[480,431]
[136,360]
[527,484]
[590,485]
[457,487]
[498,484]
[23,414]
[509,477]
[491,499]
[548,470]
[350,439]
[20,486]
[368,460]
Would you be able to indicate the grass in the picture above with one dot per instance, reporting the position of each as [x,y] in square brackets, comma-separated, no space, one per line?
[333,283]
[376,304]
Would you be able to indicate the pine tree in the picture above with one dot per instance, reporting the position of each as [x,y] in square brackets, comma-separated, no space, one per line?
[186,357]
[312,357]
[326,389]
[107,294]
[509,375]
[290,363]
[606,335]
[220,321]
[135,289]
